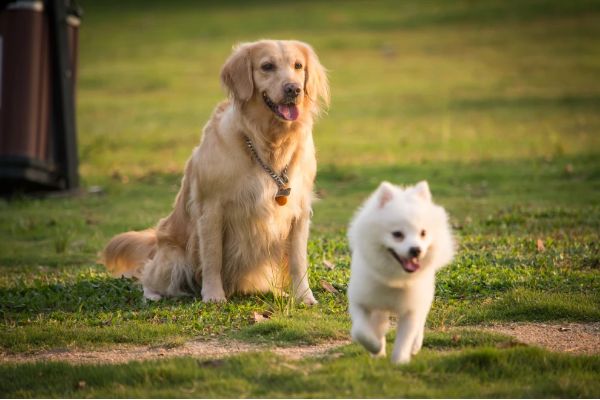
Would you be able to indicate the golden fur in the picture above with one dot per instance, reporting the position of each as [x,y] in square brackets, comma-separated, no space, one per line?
[226,233]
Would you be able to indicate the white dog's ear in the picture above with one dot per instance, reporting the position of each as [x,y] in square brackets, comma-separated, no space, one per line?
[421,189]
[316,84]
[385,193]
[236,74]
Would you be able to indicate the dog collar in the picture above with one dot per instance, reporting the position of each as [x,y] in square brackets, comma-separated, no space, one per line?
[283,191]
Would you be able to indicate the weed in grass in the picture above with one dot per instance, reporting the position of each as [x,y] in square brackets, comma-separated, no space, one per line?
[281,299]
[279,302]
[61,241]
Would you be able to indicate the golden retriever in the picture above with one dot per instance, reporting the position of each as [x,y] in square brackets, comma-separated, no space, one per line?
[240,221]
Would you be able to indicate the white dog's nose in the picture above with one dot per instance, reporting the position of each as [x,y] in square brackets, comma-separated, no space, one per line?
[414,251]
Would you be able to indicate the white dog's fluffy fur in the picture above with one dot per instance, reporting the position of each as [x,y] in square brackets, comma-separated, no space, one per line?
[399,239]
[226,233]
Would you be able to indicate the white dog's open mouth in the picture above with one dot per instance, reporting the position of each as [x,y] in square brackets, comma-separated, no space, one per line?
[410,265]
[287,111]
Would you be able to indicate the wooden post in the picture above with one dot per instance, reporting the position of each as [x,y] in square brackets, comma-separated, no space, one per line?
[63,94]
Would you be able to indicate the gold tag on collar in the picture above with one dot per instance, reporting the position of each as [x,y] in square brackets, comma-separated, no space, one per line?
[282,195]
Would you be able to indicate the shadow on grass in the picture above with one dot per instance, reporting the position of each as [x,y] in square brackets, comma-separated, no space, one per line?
[92,295]
[302,327]
[521,304]
[557,188]
[525,103]
[92,312]
[523,179]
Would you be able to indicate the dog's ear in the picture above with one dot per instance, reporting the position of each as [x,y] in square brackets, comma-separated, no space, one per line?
[316,84]
[236,74]
[384,193]
[421,189]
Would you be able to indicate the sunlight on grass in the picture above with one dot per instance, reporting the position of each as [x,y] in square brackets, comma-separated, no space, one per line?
[494,102]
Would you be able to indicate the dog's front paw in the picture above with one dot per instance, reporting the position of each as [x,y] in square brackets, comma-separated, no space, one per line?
[151,295]
[400,359]
[381,353]
[214,299]
[416,347]
[309,298]
[368,341]
[213,296]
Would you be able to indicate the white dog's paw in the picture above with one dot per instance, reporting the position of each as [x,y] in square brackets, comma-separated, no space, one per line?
[416,348]
[381,353]
[151,295]
[368,341]
[400,359]
[382,350]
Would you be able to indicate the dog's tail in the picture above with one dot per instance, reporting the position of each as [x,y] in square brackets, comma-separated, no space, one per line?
[126,253]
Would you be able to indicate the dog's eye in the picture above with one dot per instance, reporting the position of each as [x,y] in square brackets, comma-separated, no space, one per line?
[268,67]
[398,235]
[423,233]
[298,65]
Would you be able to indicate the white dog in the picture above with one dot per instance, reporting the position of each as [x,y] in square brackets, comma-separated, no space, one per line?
[399,239]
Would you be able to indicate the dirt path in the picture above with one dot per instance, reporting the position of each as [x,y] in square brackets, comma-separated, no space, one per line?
[571,338]
[206,349]
[565,338]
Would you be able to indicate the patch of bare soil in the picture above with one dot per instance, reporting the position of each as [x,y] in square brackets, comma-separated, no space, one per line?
[205,349]
[572,338]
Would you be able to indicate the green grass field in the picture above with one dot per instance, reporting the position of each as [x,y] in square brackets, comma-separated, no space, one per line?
[495,103]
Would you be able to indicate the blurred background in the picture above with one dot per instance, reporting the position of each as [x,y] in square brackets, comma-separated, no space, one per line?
[495,102]
[411,81]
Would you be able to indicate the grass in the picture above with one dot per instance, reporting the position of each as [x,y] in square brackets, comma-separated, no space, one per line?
[483,371]
[495,103]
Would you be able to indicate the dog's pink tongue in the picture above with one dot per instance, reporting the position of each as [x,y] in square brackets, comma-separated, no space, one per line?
[289,112]
[411,265]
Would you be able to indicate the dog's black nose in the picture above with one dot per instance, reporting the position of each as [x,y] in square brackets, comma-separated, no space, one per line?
[291,89]
[414,251]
